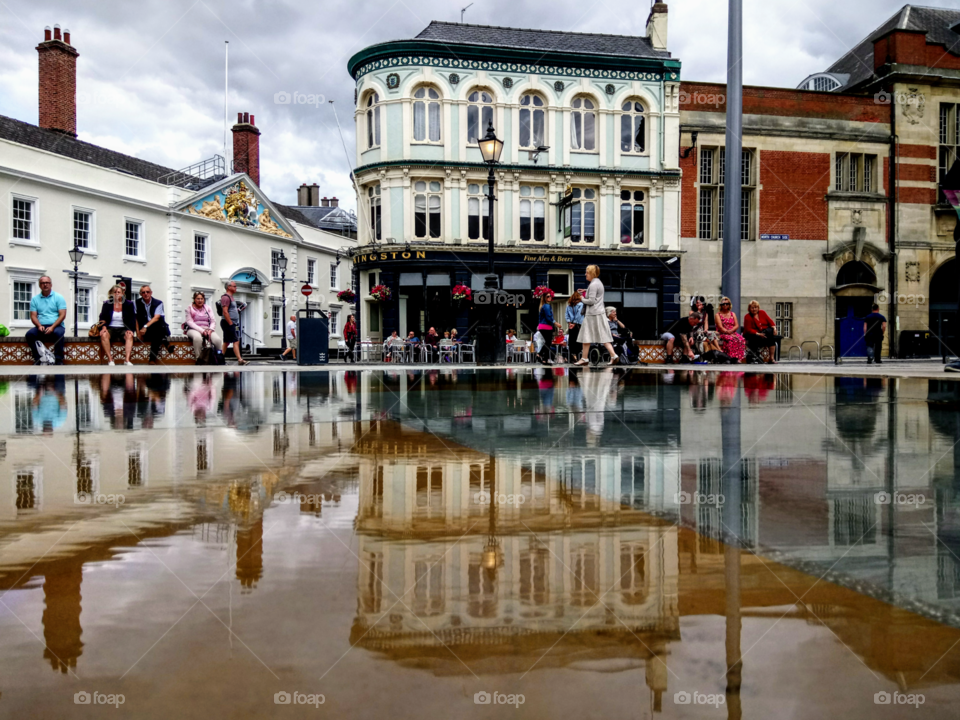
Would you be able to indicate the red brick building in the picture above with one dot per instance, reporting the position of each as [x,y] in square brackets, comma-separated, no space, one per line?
[823,234]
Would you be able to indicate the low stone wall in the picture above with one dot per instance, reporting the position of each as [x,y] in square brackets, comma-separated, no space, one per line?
[89,351]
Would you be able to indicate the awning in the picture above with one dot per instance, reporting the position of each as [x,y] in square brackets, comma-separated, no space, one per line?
[516,281]
[438,280]
[409,279]
[640,299]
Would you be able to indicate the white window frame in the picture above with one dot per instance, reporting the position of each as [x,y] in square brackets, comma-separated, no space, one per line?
[312,271]
[577,227]
[427,194]
[583,111]
[633,114]
[334,323]
[534,200]
[34,240]
[864,166]
[633,203]
[276,308]
[278,252]
[531,109]
[711,193]
[141,255]
[376,212]
[371,114]
[481,108]
[91,283]
[91,249]
[334,276]
[478,196]
[206,251]
[426,101]
[140,450]
[24,275]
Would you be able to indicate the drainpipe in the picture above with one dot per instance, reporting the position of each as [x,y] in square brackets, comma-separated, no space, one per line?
[892,240]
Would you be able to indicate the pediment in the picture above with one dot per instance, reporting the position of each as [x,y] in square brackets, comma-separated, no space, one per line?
[236,200]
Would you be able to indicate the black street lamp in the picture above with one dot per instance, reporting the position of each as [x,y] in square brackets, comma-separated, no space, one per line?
[282,264]
[490,149]
[76,256]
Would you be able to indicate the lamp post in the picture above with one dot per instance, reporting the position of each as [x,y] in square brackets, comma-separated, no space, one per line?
[282,264]
[76,256]
[488,330]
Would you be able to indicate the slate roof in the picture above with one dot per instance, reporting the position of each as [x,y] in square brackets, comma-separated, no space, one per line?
[544,40]
[936,22]
[26,134]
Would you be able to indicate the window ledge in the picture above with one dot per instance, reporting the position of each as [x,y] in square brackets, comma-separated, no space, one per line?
[201,268]
[864,196]
[25,243]
[130,258]
[437,143]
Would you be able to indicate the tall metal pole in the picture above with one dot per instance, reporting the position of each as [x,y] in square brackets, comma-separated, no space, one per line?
[283,321]
[491,180]
[226,114]
[730,280]
[76,297]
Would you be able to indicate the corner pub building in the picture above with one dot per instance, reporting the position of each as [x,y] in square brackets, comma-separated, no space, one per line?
[589,173]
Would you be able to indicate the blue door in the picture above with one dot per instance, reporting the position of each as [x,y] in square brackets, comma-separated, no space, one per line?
[851,336]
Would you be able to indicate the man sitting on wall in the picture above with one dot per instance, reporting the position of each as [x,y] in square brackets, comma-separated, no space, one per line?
[681,330]
[47,311]
[151,323]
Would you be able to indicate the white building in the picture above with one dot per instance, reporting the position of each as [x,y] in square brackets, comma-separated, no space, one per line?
[179,231]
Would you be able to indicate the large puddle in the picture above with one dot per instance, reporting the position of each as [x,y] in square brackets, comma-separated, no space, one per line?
[607,544]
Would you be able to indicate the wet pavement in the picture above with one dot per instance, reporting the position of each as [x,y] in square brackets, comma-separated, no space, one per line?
[411,544]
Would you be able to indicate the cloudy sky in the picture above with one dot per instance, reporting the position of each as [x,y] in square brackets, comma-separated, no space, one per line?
[150,72]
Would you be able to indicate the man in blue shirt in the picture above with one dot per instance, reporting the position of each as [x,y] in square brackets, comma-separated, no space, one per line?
[874,328]
[47,311]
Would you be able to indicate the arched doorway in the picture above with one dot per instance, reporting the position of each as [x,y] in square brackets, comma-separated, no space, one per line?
[855,291]
[943,304]
[253,333]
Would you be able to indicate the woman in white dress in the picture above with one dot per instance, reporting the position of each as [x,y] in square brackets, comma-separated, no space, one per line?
[595,328]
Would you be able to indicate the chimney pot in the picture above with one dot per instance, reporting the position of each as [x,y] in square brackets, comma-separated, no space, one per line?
[324,202]
[47,34]
[239,118]
[66,35]
[252,120]
[56,32]
[334,202]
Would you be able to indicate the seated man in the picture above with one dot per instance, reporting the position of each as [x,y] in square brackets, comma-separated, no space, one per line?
[412,338]
[151,323]
[681,330]
[392,347]
[47,311]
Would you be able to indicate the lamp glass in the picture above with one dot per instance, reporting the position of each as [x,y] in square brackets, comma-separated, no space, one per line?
[490,146]
[76,255]
[282,262]
[256,286]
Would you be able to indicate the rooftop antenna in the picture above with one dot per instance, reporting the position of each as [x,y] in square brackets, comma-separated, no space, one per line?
[462,11]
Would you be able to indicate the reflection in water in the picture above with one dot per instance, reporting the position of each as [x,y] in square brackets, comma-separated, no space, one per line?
[507,524]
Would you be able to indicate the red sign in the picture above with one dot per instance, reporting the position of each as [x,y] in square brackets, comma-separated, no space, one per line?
[307,290]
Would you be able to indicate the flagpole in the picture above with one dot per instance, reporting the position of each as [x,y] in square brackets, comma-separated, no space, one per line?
[730,279]
[226,114]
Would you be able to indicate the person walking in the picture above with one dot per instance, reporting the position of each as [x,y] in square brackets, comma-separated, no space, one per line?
[47,312]
[760,331]
[874,328]
[230,323]
[151,323]
[291,338]
[574,317]
[350,335]
[728,326]
[119,319]
[201,325]
[594,328]
[545,324]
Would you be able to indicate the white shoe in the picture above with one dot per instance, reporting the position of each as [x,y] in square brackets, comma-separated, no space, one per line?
[111,363]
[128,363]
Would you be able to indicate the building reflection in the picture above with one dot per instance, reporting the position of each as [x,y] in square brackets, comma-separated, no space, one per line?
[61,614]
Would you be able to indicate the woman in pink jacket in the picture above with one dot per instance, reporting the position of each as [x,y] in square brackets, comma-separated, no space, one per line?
[201,323]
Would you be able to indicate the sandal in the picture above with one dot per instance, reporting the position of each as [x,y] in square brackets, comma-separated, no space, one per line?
[582,363]
[242,362]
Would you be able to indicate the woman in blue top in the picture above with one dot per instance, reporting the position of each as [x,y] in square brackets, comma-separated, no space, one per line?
[575,308]
[545,327]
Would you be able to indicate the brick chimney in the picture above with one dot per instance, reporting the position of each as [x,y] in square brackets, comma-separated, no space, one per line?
[58,82]
[334,202]
[657,26]
[324,202]
[246,147]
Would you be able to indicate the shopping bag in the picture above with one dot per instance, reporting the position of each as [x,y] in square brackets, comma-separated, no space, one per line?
[538,341]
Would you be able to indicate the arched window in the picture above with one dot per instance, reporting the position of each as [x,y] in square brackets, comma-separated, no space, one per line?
[373,120]
[583,124]
[633,128]
[373,193]
[426,115]
[479,114]
[426,209]
[532,124]
[856,272]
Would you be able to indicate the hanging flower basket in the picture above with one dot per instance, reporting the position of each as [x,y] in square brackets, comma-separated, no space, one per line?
[543,291]
[380,293]
[347,296]
[461,292]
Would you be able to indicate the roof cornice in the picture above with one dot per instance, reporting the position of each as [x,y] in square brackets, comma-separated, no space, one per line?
[544,169]
[463,56]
